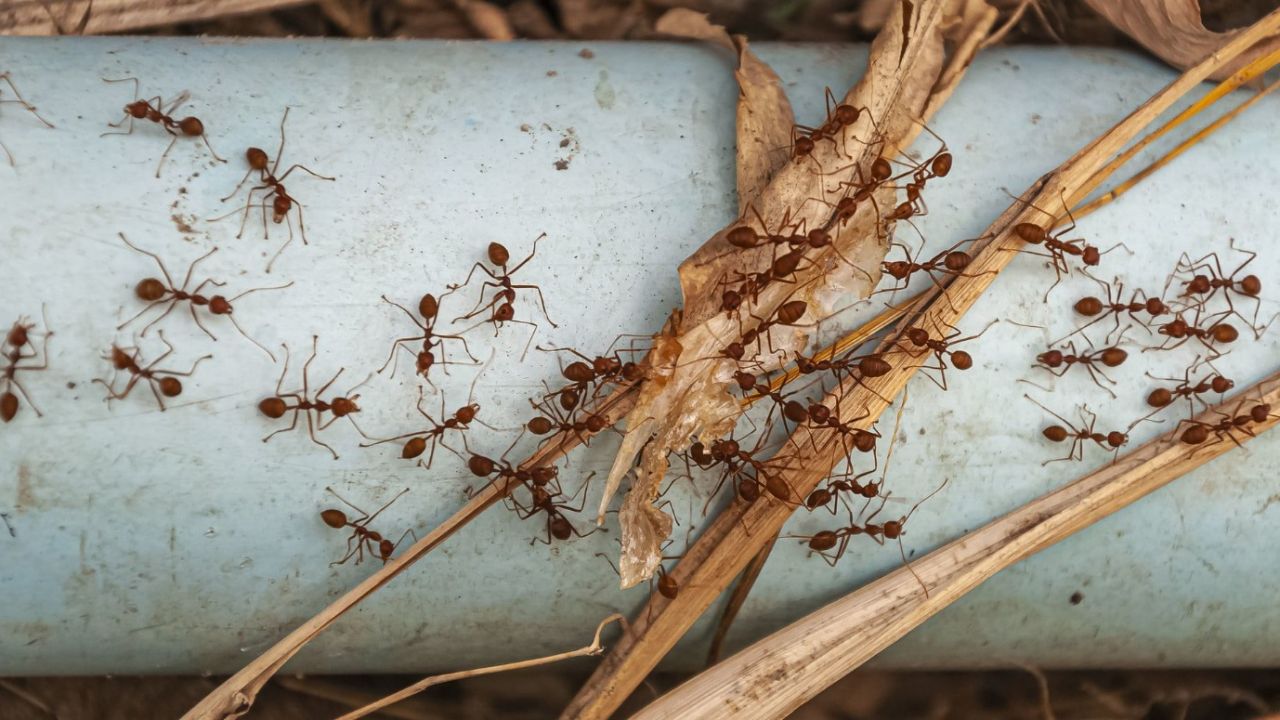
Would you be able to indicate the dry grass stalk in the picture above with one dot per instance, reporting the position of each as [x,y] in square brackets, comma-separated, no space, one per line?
[351,696]
[739,532]
[30,17]
[595,648]
[775,675]
[235,696]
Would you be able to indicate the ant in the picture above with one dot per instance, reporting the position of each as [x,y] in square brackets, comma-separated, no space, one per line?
[1182,331]
[941,349]
[281,201]
[1203,286]
[558,526]
[361,535]
[1111,357]
[277,405]
[1197,431]
[19,348]
[155,292]
[128,359]
[1057,248]
[563,421]
[1161,398]
[1113,440]
[502,302]
[147,110]
[599,369]
[460,421]
[6,76]
[948,262]
[1113,307]
[429,309]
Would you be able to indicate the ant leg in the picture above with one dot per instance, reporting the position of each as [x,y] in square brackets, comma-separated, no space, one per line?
[494,301]
[21,101]
[311,431]
[153,384]
[239,185]
[205,138]
[286,242]
[280,382]
[300,167]
[249,337]
[165,154]
[464,346]
[190,372]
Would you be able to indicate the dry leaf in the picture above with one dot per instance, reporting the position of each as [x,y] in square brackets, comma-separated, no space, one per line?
[693,401]
[1174,32]
[489,20]
[764,119]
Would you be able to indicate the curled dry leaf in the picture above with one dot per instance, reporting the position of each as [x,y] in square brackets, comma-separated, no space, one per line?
[693,400]
[1174,32]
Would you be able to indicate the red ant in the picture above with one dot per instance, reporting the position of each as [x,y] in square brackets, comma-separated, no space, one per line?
[5,76]
[600,369]
[1203,286]
[361,535]
[1182,331]
[502,302]
[155,292]
[147,110]
[1197,431]
[128,359]
[936,166]
[1161,398]
[948,262]
[563,421]
[420,439]
[429,309]
[941,349]
[281,201]
[277,405]
[558,526]
[1057,248]
[1112,441]
[18,343]
[1113,307]
[1111,357]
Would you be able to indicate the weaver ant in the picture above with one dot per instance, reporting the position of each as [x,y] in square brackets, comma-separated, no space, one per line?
[1057,248]
[598,370]
[17,347]
[941,349]
[429,309]
[1204,285]
[1197,431]
[1161,398]
[502,303]
[948,262]
[6,76]
[459,421]
[147,110]
[379,547]
[558,526]
[1114,307]
[1179,329]
[162,382]
[1111,357]
[281,201]
[155,292]
[1112,441]
[277,405]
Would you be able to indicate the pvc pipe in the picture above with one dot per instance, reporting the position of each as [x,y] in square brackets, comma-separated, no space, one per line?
[178,542]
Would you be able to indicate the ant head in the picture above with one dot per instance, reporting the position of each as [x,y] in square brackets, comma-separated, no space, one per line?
[722,449]
[17,336]
[1056,433]
[864,441]
[1156,306]
[191,126]
[345,406]
[119,358]
[8,406]
[892,529]
[918,336]
[817,498]
[743,236]
[543,475]
[540,426]
[870,490]
[480,466]
[1160,397]
[1224,333]
[560,527]
[603,365]
[1115,438]
[1113,357]
[595,423]
[1195,435]
[578,371]
[1177,328]
[1220,384]
[730,300]
[1199,284]
[903,211]
[803,146]
[150,289]
[961,360]
[334,518]
[280,206]
[425,360]
[428,307]
[219,305]
[632,372]
[498,254]
[822,541]
[170,387]
[899,269]
[257,157]
[1029,232]
[734,351]
[138,108]
[1091,256]
[1251,285]
[881,170]
[385,548]
[1052,358]
[819,238]
[466,413]
[847,114]
[1260,413]
[414,448]
[941,165]
[272,407]
[819,413]
[504,312]
[698,453]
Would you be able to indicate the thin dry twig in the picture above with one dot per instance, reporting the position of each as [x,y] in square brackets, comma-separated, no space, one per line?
[595,648]
[30,17]
[726,545]
[785,669]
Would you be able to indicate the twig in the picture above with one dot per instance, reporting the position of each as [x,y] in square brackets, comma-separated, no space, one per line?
[739,596]
[595,648]
[29,697]
[351,697]
[726,546]
[785,669]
